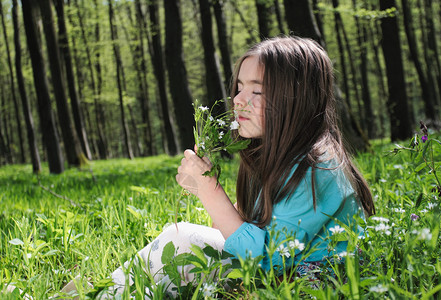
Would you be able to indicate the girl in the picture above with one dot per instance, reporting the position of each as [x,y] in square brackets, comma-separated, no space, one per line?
[296,176]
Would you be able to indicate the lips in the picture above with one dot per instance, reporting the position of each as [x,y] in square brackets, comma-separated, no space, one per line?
[242,118]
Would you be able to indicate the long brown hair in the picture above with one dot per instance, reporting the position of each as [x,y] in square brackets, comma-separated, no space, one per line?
[300,126]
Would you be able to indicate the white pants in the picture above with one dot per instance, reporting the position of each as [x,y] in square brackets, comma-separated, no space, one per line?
[187,234]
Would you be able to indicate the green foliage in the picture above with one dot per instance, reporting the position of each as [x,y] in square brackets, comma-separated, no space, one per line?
[45,242]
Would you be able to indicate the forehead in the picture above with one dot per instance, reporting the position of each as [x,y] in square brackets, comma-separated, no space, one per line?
[251,71]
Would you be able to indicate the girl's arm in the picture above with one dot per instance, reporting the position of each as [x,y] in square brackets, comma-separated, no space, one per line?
[211,194]
[214,224]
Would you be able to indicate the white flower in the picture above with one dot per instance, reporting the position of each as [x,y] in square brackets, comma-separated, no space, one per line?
[296,245]
[424,211]
[211,118]
[202,145]
[424,234]
[378,289]
[234,125]
[29,255]
[208,289]
[383,227]
[380,219]
[283,251]
[221,134]
[221,122]
[336,230]
[203,108]
[399,210]
[344,254]
[431,205]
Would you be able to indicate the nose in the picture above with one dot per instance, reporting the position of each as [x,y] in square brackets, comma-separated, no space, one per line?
[239,100]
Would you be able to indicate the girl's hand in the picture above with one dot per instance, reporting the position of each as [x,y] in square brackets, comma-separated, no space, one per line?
[190,173]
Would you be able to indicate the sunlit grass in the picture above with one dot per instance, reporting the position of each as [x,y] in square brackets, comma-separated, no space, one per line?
[108,212]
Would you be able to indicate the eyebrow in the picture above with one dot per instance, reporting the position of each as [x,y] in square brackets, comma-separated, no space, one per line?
[254,81]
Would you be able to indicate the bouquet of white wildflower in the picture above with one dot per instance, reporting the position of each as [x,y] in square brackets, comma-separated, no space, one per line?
[214,134]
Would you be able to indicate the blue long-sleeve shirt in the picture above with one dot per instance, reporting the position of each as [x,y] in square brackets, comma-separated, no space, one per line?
[295,215]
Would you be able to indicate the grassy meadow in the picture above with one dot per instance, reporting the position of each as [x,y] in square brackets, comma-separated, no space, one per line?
[88,222]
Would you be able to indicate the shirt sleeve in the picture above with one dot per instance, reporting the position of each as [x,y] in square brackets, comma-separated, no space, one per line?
[294,216]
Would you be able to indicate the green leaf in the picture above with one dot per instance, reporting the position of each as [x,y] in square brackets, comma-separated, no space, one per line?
[235,274]
[168,253]
[237,146]
[199,253]
[211,252]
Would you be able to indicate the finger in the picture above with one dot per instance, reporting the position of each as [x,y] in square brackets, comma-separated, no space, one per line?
[207,161]
[189,153]
[195,148]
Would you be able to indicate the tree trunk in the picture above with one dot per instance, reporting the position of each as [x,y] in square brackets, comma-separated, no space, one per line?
[278,17]
[432,44]
[427,91]
[12,85]
[263,18]
[215,86]
[33,149]
[223,40]
[47,121]
[118,62]
[72,147]
[300,19]
[177,73]
[141,69]
[365,93]
[398,108]
[318,18]
[74,99]
[5,141]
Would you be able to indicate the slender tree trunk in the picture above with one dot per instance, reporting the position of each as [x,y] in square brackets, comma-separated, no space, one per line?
[249,28]
[215,86]
[378,70]
[72,148]
[279,17]
[74,99]
[398,108]
[263,18]
[366,95]
[432,44]
[157,58]
[428,91]
[141,70]
[318,18]
[118,61]
[33,149]
[177,73]
[223,40]
[5,140]
[12,85]
[47,121]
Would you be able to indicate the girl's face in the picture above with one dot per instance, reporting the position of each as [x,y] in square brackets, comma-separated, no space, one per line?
[248,102]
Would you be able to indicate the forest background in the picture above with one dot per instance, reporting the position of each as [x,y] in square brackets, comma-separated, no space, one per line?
[104,79]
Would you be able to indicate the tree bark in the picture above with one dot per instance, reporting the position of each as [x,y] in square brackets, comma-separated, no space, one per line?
[118,62]
[75,156]
[215,86]
[177,73]
[223,40]
[74,99]
[263,18]
[47,121]
[32,143]
[300,19]
[13,93]
[398,108]
[427,91]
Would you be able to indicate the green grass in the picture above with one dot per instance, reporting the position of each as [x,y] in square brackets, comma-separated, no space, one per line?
[107,214]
